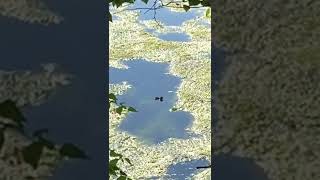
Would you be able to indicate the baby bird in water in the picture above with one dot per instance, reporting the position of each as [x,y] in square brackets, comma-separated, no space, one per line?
[159,98]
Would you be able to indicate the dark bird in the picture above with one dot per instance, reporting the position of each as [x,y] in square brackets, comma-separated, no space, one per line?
[159,98]
[203,167]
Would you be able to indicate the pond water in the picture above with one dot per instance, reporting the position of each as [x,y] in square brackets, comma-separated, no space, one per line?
[153,122]
[180,37]
[76,113]
[165,15]
[184,170]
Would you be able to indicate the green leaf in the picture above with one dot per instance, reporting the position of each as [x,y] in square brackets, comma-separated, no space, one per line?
[8,109]
[208,13]
[122,178]
[32,153]
[131,109]
[119,110]
[145,1]
[114,154]
[118,3]
[112,97]
[186,8]
[46,143]
[113,166]
[205,3]
[72,151]
[194,2]
[110,19]
[126,159]
[123,173]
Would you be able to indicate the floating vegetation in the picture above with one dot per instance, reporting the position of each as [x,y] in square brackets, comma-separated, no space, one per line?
[277,63]
[22,156]
[31,11]
[30,88]
[119,89]
[129,41]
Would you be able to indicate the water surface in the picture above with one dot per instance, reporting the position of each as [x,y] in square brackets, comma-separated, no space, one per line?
[153,122]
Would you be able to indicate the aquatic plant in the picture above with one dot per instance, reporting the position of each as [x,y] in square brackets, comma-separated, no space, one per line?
[188,60]
[31,11]
[268,98]
[22,156]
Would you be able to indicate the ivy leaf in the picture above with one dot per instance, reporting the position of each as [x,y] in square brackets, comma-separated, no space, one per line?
[72,151]
[126,159]
[145,1]
[9,109]
[32,153]
[131,109]
[186,8]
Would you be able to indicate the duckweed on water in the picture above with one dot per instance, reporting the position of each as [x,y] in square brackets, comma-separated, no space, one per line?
[188,60]
[34,11]
[278,65]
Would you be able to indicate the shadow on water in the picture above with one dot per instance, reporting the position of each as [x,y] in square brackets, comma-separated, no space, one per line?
[153,122]
[228,167]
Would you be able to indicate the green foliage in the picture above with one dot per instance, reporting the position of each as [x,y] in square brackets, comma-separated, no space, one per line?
[186,8]
[208,13]
[114,170]
[145,1]
[72,151]
[32,152]
[9,109]
[191,4]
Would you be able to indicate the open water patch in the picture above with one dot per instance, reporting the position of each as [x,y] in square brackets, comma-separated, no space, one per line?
[153,123]
[175,36]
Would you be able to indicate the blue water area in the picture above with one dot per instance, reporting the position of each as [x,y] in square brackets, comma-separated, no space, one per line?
[180,37]
[153,122]
[173,36]
[228,167]
[165,15]
[184,170]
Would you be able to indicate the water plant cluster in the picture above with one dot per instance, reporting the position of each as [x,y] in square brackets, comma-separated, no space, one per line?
[188,60]
[31,11]
[268,100]
[23,156]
